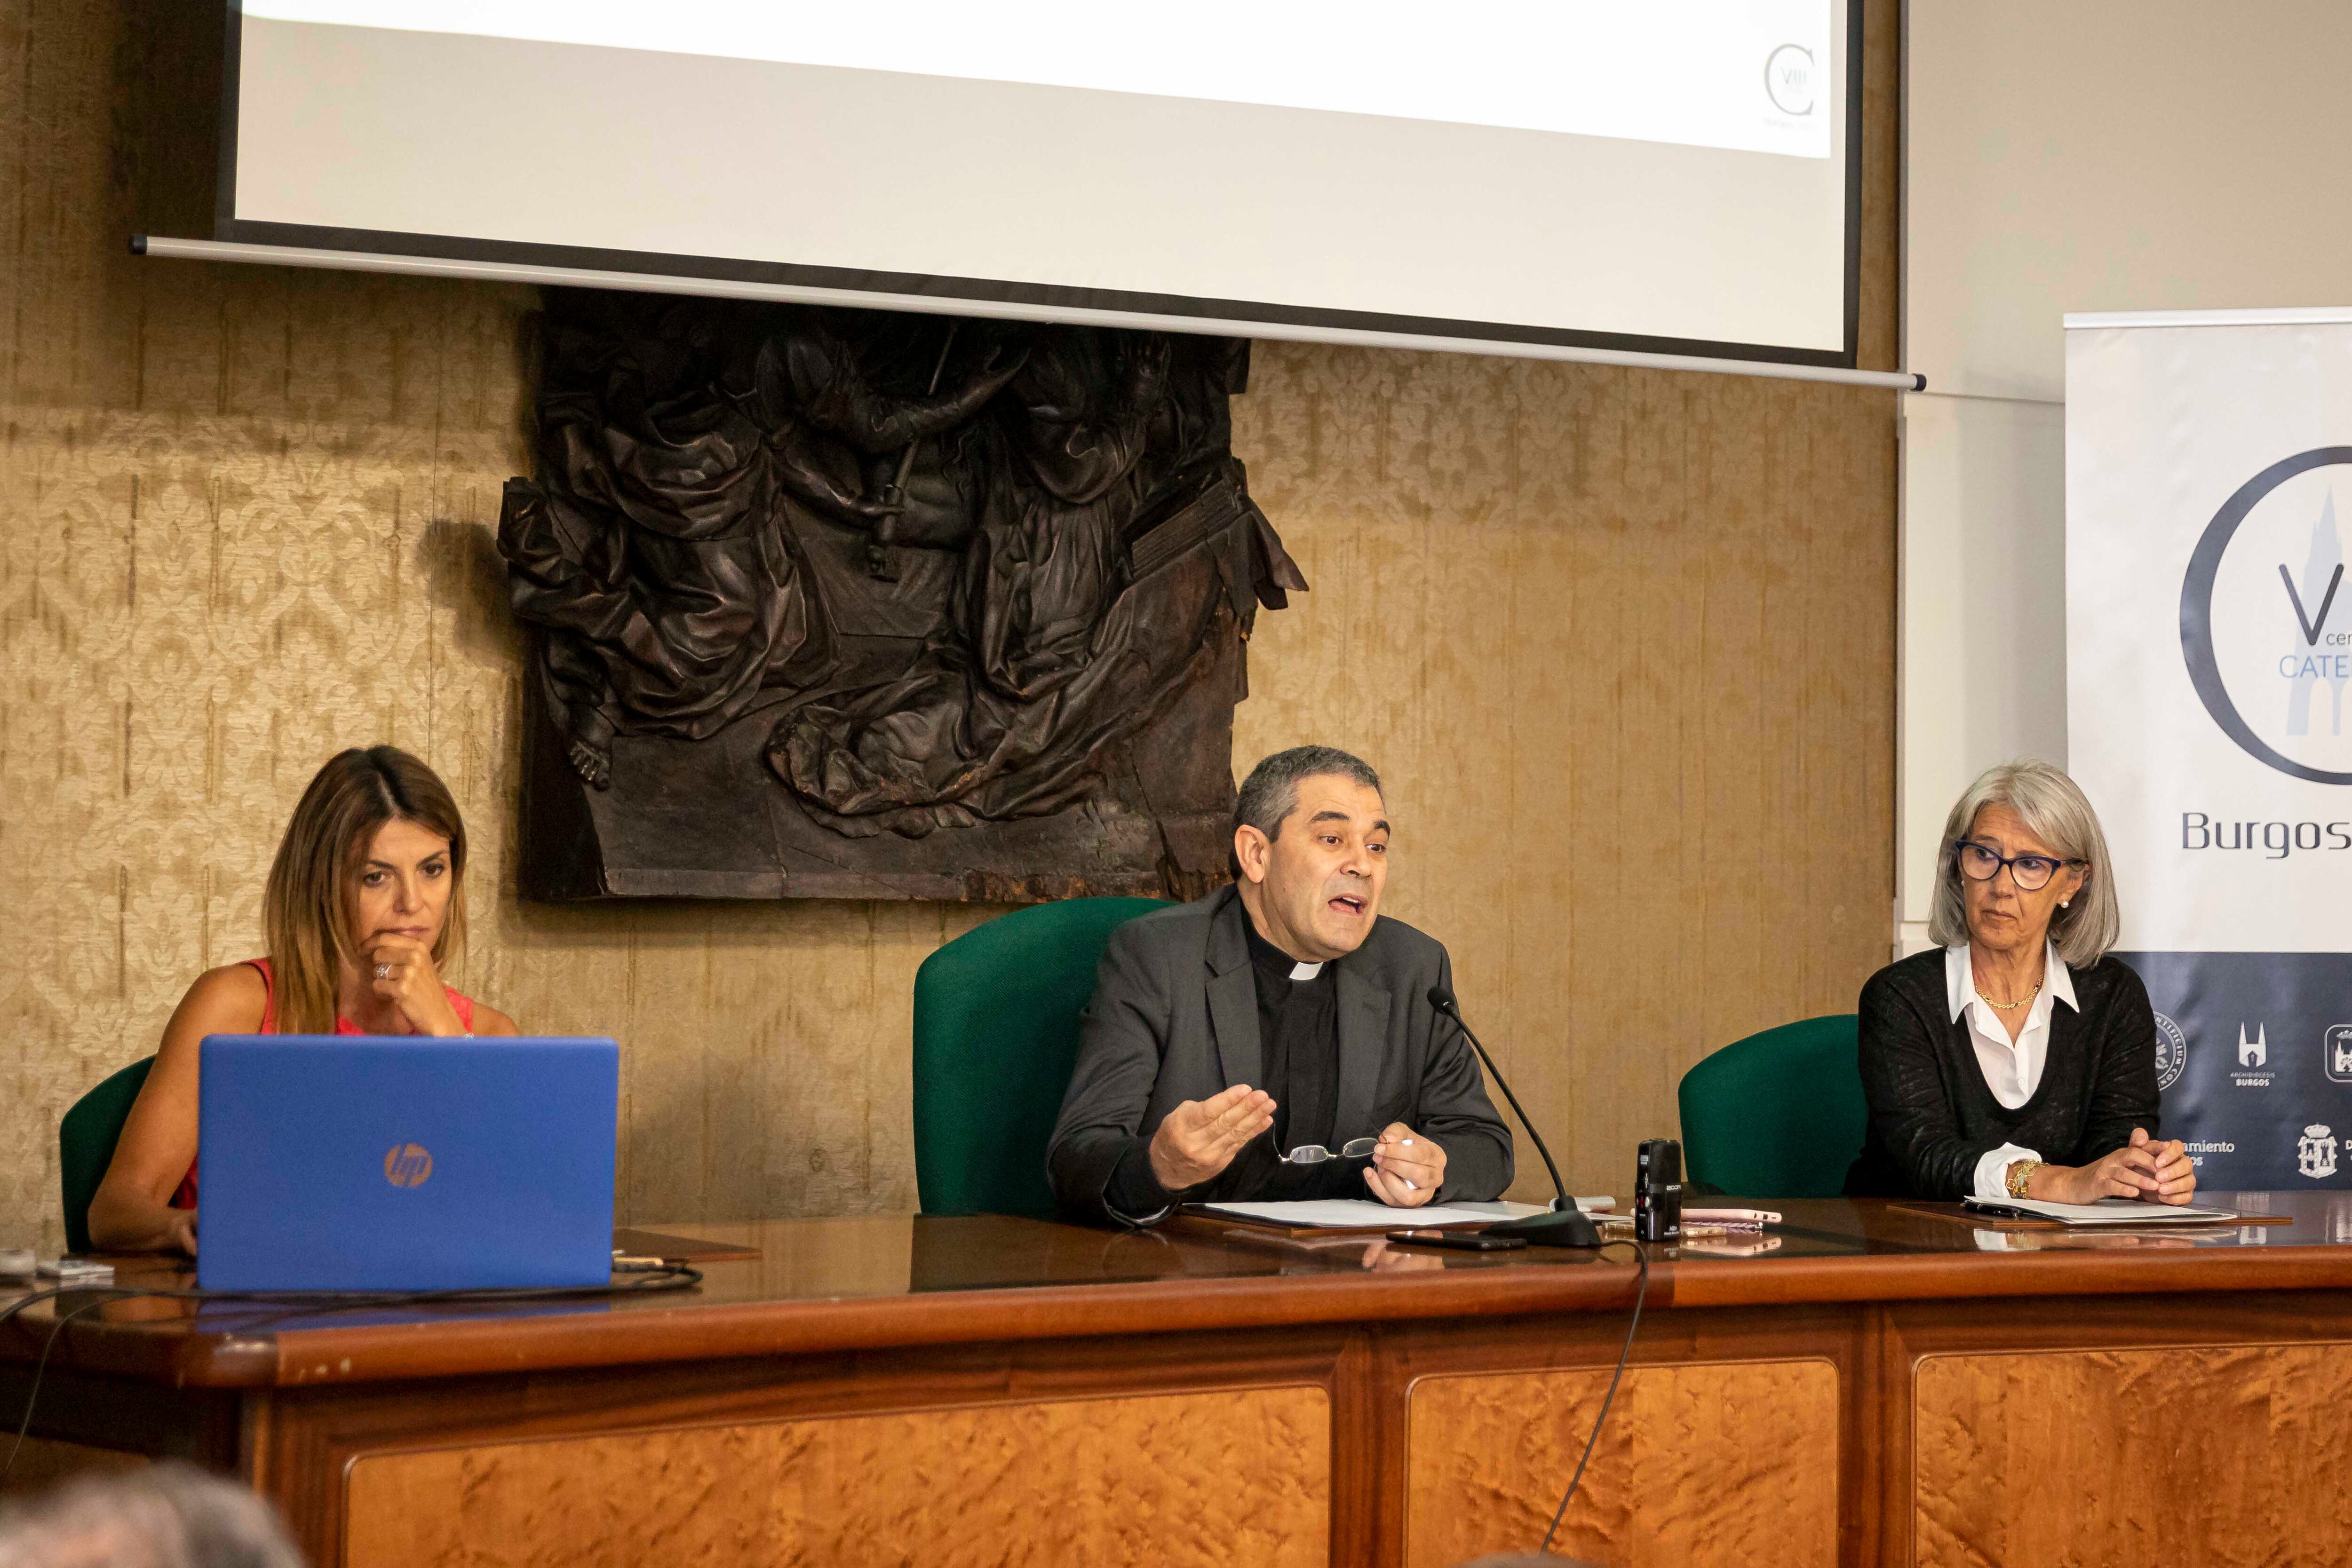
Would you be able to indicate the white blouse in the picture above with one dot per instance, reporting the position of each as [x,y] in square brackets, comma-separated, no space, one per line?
[2013,1069]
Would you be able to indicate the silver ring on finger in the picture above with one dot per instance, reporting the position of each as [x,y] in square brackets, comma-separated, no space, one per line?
[383,971]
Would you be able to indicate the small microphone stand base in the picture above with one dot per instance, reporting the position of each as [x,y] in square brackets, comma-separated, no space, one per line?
[1570,1226]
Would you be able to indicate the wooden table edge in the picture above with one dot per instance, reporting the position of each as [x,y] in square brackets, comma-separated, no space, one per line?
[2089,1271]
[488,1345]
[314,1357]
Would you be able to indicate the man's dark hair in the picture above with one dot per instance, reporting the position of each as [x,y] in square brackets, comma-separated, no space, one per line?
[1270,793]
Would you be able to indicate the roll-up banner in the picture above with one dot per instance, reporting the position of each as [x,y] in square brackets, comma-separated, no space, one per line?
[2209,643]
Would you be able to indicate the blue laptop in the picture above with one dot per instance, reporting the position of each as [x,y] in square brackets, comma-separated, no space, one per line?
[405,1162]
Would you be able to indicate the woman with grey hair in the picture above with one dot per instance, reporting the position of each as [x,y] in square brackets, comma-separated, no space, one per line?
[171,1516]
[2016,1059]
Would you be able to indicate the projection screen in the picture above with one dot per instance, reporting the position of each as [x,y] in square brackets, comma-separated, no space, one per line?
[1629,174]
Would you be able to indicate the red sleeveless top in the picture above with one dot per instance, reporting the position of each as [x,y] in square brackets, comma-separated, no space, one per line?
[463,1006]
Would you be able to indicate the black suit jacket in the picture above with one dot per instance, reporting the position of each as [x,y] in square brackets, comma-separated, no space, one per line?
[1932,1117]
[1175,1018]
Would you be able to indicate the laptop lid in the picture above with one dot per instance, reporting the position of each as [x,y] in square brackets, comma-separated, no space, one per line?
[407,1163]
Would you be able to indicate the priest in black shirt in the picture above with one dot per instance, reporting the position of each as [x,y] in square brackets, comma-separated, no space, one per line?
[1298,1027]
[1234,1040]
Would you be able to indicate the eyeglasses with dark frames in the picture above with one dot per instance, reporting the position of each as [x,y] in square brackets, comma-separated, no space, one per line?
[1982,863]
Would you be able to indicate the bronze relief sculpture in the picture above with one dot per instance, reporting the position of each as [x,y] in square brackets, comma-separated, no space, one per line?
[845,603]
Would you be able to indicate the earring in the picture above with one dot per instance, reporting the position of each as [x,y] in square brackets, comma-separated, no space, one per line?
[2064,903]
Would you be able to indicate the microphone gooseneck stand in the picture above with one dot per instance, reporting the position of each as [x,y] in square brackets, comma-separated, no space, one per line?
[1566,1225]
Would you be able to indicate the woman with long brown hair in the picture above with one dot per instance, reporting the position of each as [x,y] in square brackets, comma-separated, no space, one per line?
[365,902]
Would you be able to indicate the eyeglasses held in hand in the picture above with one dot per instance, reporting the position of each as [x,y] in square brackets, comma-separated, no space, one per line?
[1982,863]
[1316,1153]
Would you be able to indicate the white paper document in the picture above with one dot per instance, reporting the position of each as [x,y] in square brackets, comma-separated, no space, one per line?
[2106,1211]
[1362,1214]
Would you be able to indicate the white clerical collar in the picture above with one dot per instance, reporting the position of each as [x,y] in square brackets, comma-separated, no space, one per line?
[1305,971]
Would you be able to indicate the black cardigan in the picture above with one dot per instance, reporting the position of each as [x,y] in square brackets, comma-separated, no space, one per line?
[1932,1117]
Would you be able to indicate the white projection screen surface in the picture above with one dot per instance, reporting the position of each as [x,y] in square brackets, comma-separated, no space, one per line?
[1627,174]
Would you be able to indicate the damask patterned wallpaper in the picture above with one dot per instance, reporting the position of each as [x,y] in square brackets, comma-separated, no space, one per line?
[1622,643]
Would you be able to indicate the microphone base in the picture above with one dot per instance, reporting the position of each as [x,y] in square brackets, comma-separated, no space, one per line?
[1565,1228]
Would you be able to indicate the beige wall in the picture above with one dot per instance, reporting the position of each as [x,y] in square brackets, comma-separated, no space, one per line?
[2113,156]
[1622,643]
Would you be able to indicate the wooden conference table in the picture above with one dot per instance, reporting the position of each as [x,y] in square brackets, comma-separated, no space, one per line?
[1879,1386]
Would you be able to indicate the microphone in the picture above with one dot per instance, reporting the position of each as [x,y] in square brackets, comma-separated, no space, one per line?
[1566,1225]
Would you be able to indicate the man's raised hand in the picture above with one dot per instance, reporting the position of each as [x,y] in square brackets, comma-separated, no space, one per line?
[1201,1137]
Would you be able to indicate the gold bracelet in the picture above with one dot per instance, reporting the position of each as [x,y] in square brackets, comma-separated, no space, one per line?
[2020,1173]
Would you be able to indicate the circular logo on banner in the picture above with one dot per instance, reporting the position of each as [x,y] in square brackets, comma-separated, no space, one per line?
[2171,1051]
[2265,626]
[1789,79]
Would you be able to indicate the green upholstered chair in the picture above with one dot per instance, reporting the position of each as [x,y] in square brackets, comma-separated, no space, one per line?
[997,1037]
[1779,1114]
[86,1140]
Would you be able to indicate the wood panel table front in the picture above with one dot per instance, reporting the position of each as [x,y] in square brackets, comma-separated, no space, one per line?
[1866,1386]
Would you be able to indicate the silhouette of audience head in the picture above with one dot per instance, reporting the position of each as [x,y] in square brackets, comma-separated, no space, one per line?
[167,1515]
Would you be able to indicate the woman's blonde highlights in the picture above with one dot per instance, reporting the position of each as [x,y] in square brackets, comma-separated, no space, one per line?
[305,906]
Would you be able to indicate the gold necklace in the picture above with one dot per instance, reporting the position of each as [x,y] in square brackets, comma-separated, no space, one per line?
[2010,1007]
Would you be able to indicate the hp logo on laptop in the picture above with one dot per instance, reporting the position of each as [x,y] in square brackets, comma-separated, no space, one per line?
[407,1165]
